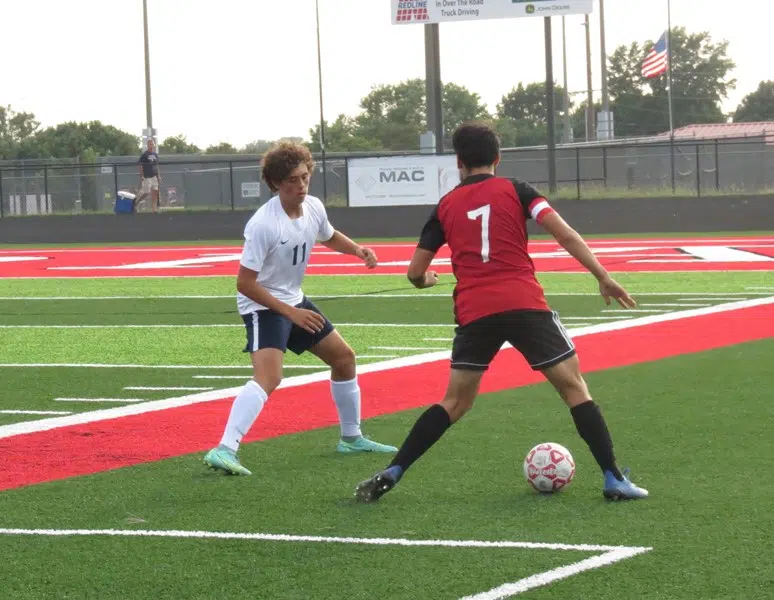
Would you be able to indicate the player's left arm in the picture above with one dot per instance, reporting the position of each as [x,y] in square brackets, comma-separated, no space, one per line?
[338,242]
[342,244]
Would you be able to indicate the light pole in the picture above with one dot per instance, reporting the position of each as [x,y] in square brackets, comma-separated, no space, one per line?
[322,112]
[148,109]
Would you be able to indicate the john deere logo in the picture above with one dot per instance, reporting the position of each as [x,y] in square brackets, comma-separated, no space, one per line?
[530,8]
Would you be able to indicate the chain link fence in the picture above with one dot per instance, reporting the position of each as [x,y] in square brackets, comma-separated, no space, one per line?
[694,168]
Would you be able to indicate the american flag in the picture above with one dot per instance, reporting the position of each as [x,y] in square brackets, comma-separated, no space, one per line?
[655,62]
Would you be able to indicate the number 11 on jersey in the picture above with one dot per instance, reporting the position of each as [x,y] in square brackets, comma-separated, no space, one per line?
[473,215]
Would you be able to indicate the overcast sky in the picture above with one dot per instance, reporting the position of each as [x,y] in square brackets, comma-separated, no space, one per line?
[241,70]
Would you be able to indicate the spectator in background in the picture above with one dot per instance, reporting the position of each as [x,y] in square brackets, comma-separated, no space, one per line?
[149,174]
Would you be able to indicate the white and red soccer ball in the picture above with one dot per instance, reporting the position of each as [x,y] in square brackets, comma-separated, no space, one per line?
[549,467]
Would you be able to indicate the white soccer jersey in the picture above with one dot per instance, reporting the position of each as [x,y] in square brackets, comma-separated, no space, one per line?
[278,248]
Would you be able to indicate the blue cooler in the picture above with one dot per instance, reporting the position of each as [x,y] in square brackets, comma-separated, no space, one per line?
[125,203]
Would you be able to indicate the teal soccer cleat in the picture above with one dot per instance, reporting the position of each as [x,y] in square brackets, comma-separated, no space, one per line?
[223,459]
[363,444]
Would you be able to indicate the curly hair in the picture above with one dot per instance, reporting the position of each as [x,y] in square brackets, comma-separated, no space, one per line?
[281,160]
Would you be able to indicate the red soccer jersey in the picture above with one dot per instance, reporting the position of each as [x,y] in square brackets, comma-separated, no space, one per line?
[484,221]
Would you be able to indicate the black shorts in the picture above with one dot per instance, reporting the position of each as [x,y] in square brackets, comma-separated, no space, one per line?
[537,334]
[267,329]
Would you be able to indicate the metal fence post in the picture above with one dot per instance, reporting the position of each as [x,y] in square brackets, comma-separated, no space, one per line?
[698,172]
[577,170]
[45,187]
[717,166]
[346,180]
[672,162]
[231,182]
[115,181]
[604,165]
[2,196]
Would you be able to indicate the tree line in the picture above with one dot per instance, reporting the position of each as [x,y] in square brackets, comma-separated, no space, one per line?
[392,116]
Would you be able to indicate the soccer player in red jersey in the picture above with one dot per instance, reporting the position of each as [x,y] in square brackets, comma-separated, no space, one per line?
[498,299]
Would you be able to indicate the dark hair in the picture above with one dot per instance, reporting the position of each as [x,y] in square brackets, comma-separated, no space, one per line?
[281,160]
[476,144]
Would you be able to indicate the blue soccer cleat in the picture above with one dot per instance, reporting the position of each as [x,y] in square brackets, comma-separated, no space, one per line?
[623,489]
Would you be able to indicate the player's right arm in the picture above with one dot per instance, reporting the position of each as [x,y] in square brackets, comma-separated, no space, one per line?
[258,242]
[576,246]
[430,241]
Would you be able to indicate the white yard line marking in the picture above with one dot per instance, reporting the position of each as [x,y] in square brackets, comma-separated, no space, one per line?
[210,325]
[366,295]
[677,304]
[113,366]
[167,389]
[760,288]
[633,310]
[405,348]
[542,579]
[34,412]
[242,377]
[100,400]
[713,299]
[437,339]
[610,554]
[396,363]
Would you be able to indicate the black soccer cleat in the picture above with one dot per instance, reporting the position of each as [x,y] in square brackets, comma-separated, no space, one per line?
[374,488]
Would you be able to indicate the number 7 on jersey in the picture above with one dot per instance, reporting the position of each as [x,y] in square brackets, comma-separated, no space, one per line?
[473,215]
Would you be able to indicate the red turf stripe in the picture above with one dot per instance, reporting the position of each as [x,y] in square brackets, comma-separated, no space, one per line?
[100,446]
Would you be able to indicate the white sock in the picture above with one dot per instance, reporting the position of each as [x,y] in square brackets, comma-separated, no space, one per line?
[244,411]
[346,395]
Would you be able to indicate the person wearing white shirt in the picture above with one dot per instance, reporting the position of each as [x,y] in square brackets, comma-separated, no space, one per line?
[278,316]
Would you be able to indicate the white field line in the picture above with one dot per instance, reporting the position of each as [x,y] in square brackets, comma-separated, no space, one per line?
[672,305]
[100,400]
[509,590]
[396,363]
[166,389]
[114,366]
[577,271]
[209,326]
[242,377]
[437,339]
[378,295]
[706,298]
[610,554]
[633,310]
[34,412]
[405,348]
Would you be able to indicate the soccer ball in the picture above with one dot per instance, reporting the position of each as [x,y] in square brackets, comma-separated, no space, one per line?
[549,467]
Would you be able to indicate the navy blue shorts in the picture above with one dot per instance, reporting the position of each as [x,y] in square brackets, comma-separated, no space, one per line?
[267,329]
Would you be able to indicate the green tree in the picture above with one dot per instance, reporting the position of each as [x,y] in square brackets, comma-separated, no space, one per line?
[522,115]
[178,144]
[15,128]
[701,81]
[342,136]
[221,148]
[71,140]
[757,105]
[396,114]
[261,146]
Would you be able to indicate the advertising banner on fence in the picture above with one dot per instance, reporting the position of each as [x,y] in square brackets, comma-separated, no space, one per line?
[401,180]
[443,11]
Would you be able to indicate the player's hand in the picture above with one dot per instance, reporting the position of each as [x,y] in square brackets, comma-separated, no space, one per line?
[431,278]
[307,319]
[369,257]
[610,288]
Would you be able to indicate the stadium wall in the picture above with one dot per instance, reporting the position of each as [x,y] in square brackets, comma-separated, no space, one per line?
[624,216]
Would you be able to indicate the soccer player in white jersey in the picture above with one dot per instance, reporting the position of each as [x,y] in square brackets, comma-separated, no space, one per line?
[277,315]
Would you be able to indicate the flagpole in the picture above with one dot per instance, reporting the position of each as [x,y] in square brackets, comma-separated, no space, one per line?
[669,96]
[669,67]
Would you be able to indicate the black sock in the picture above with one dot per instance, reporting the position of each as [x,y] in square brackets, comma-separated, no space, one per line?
[592,428]
[428,429]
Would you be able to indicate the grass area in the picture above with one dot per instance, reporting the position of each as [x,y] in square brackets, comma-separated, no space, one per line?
[694,429]
[713,546]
